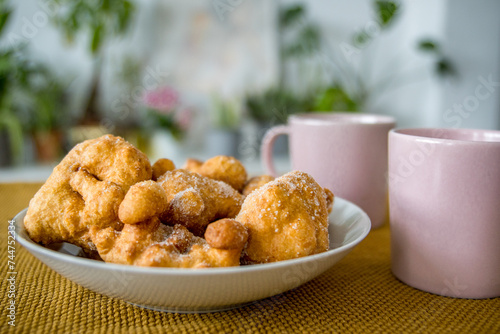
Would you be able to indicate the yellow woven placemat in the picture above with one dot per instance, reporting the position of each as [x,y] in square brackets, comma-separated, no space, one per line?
[359,294]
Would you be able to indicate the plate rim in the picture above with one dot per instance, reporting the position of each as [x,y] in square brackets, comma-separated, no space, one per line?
[30,245]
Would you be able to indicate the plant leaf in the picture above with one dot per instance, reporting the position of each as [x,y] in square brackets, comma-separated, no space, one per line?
[125,16]
[428,45]
[4,17]
[445,68]
[96,39]
[306,43]
[335,98]
[310,38]
[361,38]
[105,6]
[386,11]
[15,133]
[291,15]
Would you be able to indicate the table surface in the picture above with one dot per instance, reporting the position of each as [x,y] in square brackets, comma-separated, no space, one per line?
[359,294]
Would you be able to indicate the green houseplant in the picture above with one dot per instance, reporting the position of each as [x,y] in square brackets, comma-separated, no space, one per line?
[298,39]
[103,20]
[11,127]
[30,101]
[348,91]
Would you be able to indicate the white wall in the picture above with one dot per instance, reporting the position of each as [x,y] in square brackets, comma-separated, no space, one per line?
[473,41]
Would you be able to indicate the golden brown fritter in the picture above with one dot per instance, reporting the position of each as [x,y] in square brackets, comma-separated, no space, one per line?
[287,218]
[153,244]
[226,233]
[193,165]
[161,166]
[255,183]
[113,159]
[101,198]
[195,200]
[330,199]
[226,169]
[221,168]
[95,173]
[143,201]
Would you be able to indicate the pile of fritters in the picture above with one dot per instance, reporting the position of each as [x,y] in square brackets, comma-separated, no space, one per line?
[106,197]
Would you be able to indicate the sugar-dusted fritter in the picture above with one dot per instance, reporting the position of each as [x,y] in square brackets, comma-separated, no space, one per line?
[90,175]
[102,198]
[193,165]
[143,201]
[330,199]
[195,201]
[255,183]
[153,244]
[222,168]
[161,166]
[226,233]
[286,218]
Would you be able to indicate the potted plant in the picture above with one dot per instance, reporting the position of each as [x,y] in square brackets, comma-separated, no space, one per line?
[48,118]
[298,40]
[11,129]
[30,103]
[103,21]
[347,90]
[269,108]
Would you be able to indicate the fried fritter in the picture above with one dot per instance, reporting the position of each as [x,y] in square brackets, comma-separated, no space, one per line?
[143,201]
[287,218]
[153,244]
[102,198]
[255,183]
[161,166]
[195,200]
[193,165]
[85,189]
[330,199]
[226,234]
[221,168]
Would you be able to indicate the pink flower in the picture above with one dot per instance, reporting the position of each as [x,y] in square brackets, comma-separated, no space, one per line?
[164,99]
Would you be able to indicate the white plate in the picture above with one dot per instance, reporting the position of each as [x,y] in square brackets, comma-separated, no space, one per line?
[202,290]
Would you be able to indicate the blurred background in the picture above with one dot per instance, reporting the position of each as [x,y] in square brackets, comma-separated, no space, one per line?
[200,78]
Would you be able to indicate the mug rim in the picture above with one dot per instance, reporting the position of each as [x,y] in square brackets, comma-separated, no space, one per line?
[446,135]
[334,117]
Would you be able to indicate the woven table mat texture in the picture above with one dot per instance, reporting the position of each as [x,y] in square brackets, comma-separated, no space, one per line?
[359,294]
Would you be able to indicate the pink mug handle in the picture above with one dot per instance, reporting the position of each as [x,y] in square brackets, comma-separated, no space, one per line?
[266,148]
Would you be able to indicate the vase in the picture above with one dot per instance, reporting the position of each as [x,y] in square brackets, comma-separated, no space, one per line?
[48,146]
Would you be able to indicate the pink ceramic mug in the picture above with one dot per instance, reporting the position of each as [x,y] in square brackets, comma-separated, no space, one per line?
[444,189]
[344,152]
